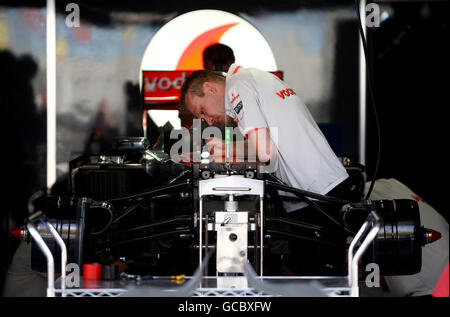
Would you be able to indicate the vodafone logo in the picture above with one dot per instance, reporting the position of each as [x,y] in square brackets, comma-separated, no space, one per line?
[286,93]
[179,44]
[177,49]
[192,56]
[161,87]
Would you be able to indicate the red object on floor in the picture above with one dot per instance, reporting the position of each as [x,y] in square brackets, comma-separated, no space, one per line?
[441,289]
[92,271]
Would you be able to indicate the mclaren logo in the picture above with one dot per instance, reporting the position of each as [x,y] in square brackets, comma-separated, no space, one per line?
[234,97]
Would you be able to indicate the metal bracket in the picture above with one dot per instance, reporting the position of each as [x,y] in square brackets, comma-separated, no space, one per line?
[365,235]
[39,216]
[232,185]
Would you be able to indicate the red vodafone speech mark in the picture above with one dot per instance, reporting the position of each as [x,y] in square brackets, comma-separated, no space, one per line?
[192,57]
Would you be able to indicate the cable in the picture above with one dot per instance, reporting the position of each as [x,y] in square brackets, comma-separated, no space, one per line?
[372,98]
[32,199]
[151,192]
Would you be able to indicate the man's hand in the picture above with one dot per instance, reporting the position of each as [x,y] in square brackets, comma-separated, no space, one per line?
[261,143]
[216,148]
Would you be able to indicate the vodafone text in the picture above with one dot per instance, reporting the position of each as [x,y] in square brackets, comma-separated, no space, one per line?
[286,93]
[164,83]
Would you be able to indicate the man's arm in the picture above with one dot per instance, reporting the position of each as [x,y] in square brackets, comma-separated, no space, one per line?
[238,152]
[261,145]
[257,147]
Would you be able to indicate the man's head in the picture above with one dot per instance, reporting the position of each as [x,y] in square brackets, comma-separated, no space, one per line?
[203,94]
[218,56]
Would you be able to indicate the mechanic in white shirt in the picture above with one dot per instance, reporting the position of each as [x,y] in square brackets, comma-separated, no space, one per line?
[275,122]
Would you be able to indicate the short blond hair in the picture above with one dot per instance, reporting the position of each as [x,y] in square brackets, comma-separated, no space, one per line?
[194,84]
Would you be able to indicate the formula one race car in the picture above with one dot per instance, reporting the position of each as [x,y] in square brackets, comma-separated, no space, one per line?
[136,206]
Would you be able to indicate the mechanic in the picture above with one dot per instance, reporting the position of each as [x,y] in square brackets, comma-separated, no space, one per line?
[218,57]
[260,103]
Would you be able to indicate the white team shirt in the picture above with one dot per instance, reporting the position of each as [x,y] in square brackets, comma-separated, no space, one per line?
[257,99]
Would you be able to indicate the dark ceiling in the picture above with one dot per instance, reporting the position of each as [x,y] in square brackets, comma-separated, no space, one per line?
[167,6]
[101,11]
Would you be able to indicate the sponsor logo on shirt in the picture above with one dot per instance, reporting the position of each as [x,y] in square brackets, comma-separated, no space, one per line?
[234,97]
[285,93]
[238,107]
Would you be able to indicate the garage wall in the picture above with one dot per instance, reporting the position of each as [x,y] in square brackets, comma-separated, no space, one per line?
[97,65]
